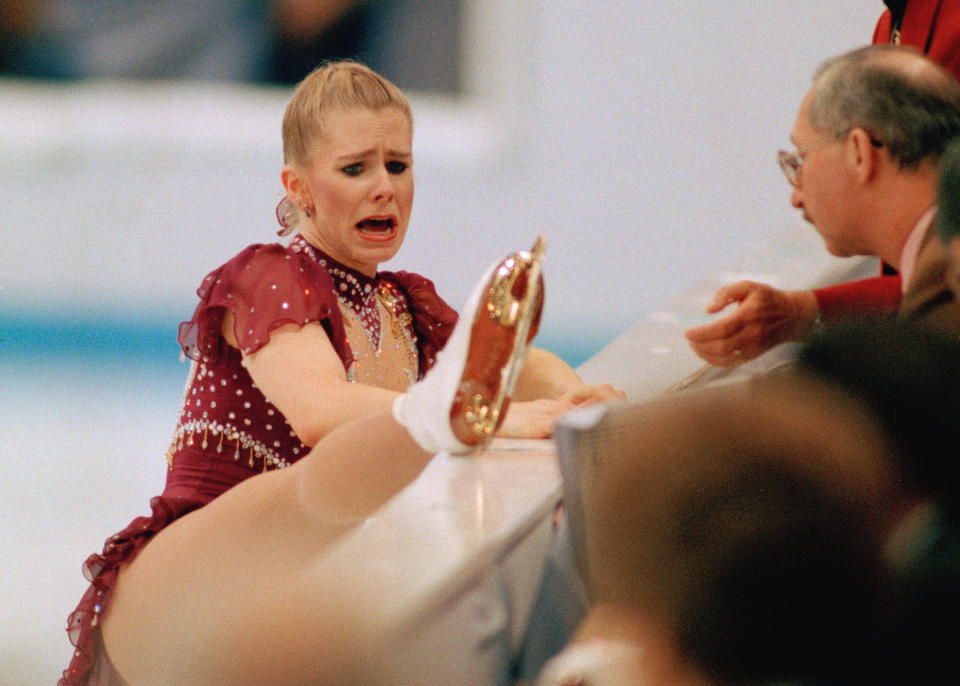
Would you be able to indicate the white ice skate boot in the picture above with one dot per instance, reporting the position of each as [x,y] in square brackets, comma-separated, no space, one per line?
[462,400]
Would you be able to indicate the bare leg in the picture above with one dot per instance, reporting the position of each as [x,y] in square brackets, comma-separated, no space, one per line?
[357,468]
[218,596]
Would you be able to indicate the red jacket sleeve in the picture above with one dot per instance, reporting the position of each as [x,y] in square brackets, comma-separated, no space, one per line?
[876,296]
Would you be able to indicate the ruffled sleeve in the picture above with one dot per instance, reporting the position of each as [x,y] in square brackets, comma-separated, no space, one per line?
[433,319]
[264,287]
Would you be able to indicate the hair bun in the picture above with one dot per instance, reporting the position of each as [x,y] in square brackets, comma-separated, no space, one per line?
[286,216]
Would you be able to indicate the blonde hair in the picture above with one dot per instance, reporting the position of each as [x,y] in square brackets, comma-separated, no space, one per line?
[341,84]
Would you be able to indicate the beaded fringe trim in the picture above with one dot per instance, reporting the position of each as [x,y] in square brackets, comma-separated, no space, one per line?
[241,443]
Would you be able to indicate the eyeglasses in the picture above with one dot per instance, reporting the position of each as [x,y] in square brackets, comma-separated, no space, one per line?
[790,162]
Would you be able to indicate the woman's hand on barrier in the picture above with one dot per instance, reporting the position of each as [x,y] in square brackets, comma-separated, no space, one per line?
[537,418]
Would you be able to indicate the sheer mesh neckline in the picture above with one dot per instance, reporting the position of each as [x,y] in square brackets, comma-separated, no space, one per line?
[354,288]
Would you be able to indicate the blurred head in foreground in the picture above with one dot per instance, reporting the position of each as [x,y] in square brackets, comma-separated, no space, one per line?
[746,524]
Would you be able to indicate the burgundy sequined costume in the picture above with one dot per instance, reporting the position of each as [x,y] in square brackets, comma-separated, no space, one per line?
[227,430]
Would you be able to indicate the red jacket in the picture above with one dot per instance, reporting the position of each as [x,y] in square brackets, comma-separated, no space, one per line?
[932,26]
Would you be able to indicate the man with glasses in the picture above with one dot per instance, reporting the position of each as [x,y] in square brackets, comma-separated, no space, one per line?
[869,136]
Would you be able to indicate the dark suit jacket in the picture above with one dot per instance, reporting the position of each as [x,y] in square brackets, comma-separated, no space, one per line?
[930,297]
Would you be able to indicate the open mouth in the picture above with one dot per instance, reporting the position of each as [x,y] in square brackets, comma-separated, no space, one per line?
[377,226]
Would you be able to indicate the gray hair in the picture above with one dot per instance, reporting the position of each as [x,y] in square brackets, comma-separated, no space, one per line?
[903,100]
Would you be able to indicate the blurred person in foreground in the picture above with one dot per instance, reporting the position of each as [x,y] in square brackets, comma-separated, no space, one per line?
[733,535]
[869,136]
[309,402]
[797,527]
[908,377]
